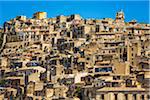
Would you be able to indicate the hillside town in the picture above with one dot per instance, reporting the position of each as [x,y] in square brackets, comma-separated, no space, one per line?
[72,58]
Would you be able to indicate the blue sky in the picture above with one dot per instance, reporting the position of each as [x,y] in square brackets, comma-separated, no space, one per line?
[138,10]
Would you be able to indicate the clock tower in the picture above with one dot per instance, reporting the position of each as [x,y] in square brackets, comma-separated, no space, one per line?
[120,17]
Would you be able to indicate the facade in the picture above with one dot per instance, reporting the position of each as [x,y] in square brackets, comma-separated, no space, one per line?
[71,58]
[40,15]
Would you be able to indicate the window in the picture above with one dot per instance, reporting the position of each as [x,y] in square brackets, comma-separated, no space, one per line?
[82,78]
[102,96]
[132,49]
[128,83]
[132,54]
[142,97]
[126,96]
[97,28]
[108,69]
[115,84]
[116,98]
[96,69]
[88,58]
[113,51]
[116,77]
[34,58]
[40,58]
[148,97]
[134,96]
